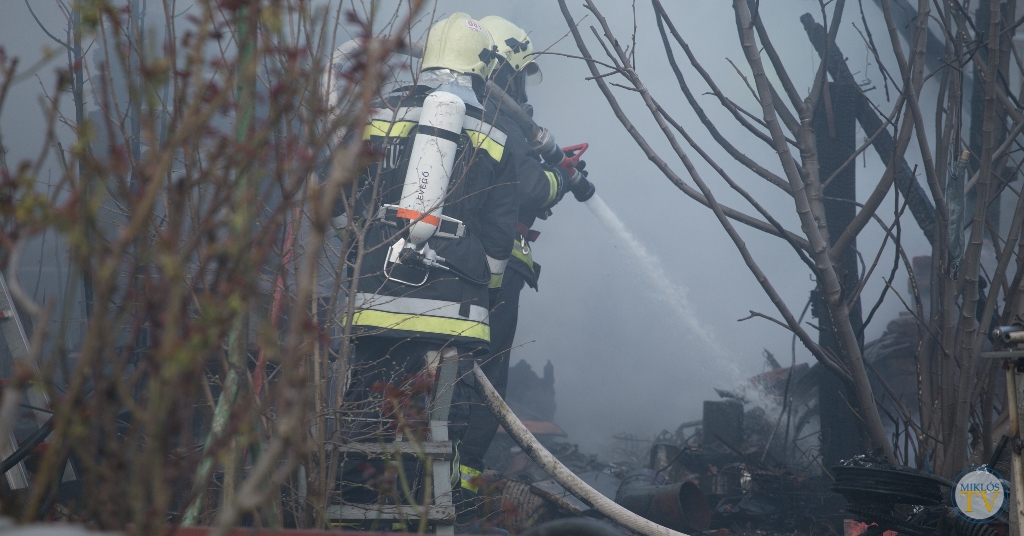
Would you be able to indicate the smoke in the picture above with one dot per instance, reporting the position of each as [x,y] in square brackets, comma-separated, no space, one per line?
[634,335]
[673,294]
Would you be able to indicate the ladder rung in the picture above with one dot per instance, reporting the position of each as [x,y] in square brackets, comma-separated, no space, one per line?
[438,450]
[352,512]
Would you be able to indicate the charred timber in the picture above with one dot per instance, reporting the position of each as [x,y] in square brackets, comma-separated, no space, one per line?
[920,206]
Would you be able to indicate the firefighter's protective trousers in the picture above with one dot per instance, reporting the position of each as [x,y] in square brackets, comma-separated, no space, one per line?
[540,187]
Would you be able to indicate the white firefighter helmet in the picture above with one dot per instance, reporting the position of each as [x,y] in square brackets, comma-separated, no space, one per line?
[514,45]
[461,44]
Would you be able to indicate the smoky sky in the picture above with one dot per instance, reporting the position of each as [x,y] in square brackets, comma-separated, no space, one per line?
[624,361]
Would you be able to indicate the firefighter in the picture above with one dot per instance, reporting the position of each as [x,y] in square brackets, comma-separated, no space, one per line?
[540,188]
[433,247]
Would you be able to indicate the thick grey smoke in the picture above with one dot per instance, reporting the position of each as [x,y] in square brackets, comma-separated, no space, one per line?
[624,360]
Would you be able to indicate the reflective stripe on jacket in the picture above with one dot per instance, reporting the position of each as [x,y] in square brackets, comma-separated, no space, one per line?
[481,193]
[540,188]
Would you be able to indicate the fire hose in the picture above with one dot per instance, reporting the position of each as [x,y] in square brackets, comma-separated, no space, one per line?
[554,468]
[543,143]
[575,526]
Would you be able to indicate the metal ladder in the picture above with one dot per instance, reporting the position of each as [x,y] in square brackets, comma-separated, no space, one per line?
[437,505]
[14,336]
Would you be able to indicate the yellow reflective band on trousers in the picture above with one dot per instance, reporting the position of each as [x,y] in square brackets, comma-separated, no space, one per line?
[398,129]
[485,142]
[553,182]
[469,478]
[496,280]
[422,324]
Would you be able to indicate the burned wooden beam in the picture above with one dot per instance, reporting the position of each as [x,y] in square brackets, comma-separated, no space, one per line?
[917,200]
[905,17]
[835,132]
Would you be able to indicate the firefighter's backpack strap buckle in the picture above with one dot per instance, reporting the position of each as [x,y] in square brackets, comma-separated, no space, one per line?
[447,228]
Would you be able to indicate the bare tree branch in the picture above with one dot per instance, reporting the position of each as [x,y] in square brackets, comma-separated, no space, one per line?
[812,225]
[719,211]
[715,133]
[43,28]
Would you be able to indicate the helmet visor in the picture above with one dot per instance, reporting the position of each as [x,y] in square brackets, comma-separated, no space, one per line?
[533,74]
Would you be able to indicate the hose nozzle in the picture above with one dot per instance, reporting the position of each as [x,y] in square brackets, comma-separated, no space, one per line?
[583,189]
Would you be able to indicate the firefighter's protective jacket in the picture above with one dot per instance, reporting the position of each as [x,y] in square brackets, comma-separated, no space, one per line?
[540,188]
[481,193]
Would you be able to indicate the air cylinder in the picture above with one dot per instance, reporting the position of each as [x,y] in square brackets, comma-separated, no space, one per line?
[430,164]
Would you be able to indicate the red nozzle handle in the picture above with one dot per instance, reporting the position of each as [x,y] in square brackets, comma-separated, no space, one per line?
[573,154]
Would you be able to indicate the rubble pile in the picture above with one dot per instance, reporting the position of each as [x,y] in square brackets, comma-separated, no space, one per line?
[728,472]
[750,465]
